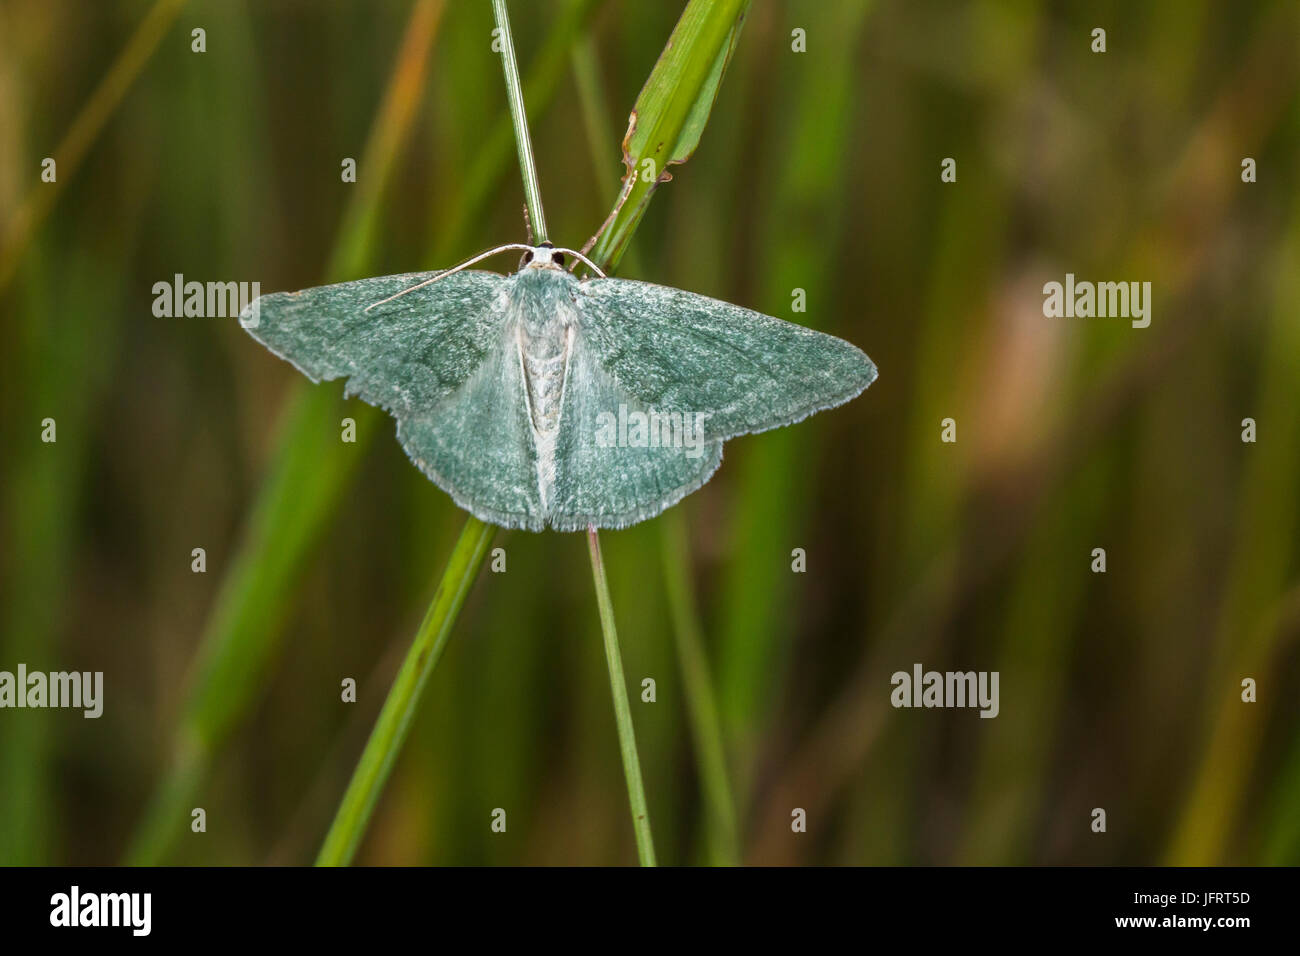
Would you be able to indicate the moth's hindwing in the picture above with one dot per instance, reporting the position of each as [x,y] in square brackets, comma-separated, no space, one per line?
[478,445]
[617,460]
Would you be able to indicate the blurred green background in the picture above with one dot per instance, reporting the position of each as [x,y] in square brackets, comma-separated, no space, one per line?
[818,170]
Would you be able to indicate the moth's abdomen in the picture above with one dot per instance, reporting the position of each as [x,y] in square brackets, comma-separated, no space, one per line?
[545,358]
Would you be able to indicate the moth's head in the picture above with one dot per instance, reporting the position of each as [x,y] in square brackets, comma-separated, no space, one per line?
[544,256]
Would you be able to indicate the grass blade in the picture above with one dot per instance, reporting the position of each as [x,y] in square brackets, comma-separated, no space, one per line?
[1246,636]
[702,705]
[304,483]
[403,700]
[466,561]
[44,489]
[670,113]
[666,124]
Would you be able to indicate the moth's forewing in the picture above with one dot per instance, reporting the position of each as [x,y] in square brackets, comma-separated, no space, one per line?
[745,371]
[405,356]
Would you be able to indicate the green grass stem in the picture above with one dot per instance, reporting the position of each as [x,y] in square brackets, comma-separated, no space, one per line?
[394,723]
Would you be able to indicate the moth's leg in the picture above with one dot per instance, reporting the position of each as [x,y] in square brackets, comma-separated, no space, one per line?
[628,183]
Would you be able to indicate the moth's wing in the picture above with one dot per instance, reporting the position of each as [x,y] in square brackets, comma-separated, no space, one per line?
[404,356]
[438,359]
[746,371]
[606,483]
[477,445]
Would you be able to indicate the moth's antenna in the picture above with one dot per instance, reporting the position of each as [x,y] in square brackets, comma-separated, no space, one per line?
[591,265]
[442,275]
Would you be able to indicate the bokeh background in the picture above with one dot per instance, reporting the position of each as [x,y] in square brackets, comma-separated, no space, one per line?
[819,171]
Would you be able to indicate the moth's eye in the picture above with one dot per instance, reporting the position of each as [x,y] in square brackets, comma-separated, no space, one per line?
[557,258]
[528,256]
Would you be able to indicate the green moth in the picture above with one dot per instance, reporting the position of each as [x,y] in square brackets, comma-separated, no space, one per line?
[540,399]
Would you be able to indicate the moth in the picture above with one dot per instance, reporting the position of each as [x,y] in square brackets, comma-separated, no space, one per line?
[541,399]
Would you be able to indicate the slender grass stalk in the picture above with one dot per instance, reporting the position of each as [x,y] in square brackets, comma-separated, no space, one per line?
[645,847]
[545,70]
[394,723]
[613,658]
[466,561]
[702,709]
[518,115]
[674,106]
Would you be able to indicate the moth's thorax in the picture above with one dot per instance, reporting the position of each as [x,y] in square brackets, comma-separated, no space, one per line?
[545,317]
[543,297]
